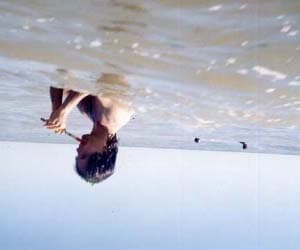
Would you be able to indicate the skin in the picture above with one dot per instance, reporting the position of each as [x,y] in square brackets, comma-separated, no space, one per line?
[112,116]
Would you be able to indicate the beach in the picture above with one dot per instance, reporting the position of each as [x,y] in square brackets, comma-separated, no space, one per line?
[157,199]
[210,157]
[224,72]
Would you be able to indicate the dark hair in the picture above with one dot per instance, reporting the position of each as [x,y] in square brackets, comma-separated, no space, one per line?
[100,166]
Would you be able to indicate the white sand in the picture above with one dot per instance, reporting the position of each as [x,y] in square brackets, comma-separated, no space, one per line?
[157,199]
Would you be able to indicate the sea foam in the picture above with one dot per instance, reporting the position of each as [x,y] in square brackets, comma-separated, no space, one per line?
[268,72]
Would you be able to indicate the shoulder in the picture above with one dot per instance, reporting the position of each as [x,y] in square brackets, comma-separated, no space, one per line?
[117,114]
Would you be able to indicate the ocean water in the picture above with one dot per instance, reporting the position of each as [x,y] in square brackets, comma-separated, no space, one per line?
[223,71]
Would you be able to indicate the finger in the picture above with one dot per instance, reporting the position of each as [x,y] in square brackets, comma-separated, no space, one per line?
[57,130]
[53,126]
[51,122]
[48,123]
[61,131]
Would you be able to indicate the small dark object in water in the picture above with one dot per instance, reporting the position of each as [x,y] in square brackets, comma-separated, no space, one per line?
[197,139]
[244,144]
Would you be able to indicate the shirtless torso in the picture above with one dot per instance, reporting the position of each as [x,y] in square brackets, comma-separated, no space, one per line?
[110,113]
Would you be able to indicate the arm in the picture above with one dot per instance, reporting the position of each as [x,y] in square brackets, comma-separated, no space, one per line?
[72,101]
[58,118]
[56,95]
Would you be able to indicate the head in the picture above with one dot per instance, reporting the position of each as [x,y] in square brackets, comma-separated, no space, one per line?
[96,157]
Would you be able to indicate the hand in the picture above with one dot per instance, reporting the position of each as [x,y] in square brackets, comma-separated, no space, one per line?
[57,121]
